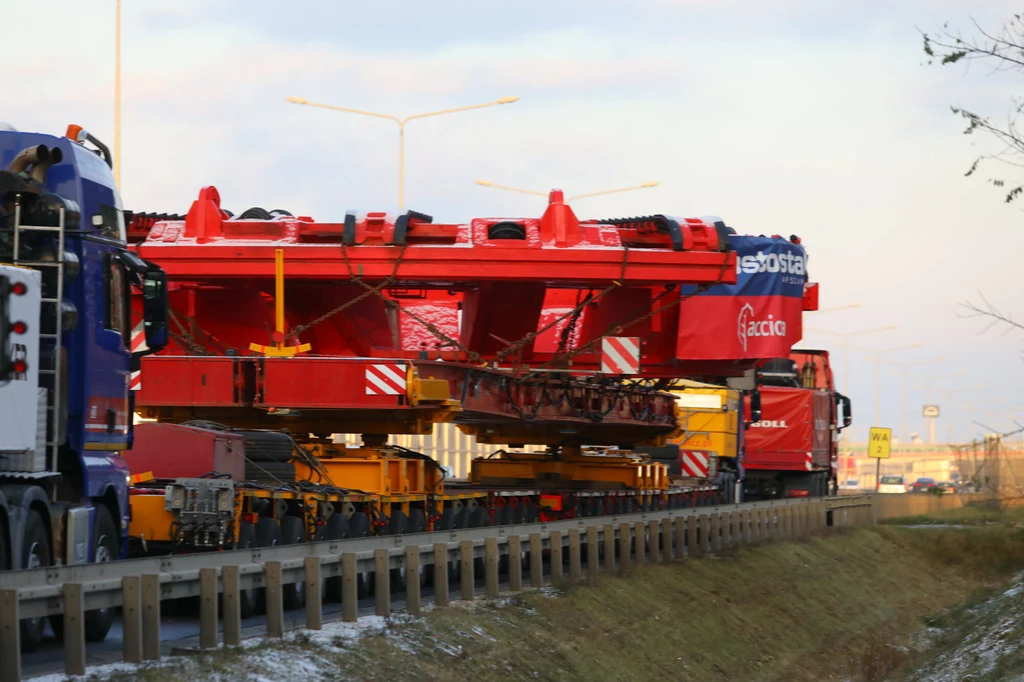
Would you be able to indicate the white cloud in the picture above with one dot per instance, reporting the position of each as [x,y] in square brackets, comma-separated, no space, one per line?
[809,120]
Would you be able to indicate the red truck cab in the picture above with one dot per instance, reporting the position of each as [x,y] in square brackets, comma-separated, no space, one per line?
[793,449]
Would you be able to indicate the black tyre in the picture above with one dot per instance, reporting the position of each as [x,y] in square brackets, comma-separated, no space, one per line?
[359,527]
[293,533]
[105,542]
[35,552]
[268,534]
[446,520]
[520,513]
[247,599]
[336,528]
[417,521]
[5,555]
[479,518]
[255,213]
[398,524]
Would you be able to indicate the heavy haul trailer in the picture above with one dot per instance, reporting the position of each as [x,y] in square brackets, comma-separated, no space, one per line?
[365,371]
[65,357]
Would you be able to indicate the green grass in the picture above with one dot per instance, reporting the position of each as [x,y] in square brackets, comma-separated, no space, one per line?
[841,605]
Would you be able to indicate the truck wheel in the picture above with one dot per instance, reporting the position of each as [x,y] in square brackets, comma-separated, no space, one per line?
[293,533]
[359,527]
[36,553]
[268,534]
[105,548]
[247,599]
[336,529]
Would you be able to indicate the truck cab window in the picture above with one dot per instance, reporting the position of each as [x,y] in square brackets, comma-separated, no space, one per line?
[117,298]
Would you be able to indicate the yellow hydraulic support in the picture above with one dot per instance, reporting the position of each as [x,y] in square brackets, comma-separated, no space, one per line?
[279,349]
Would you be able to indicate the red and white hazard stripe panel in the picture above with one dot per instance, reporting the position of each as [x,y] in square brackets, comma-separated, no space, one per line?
[138,345]
[694,463]
[385,379]
[809,461]
[620,355]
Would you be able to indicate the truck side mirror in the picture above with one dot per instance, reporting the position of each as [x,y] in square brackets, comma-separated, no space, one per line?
[845,405]
[154,309]
[755,406]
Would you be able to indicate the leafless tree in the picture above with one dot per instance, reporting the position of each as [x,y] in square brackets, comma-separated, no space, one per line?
[1000,51]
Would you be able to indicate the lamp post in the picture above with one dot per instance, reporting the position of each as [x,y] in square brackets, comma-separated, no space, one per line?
[947,396]
[401,127]
[836,309]
[904,371]
[117,97]
[488,183]
[928,396]
[878,376]
[844,343]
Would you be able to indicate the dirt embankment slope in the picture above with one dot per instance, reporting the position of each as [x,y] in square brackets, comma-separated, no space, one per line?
[848,605]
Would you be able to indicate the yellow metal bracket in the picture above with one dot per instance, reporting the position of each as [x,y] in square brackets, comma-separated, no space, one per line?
[279,349]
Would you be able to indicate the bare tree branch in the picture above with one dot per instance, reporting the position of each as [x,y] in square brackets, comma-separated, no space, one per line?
[1003,51]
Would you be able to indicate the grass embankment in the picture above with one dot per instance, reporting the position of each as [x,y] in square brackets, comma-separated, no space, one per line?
[843,605]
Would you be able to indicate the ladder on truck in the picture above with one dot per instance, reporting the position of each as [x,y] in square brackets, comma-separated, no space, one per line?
[56,304]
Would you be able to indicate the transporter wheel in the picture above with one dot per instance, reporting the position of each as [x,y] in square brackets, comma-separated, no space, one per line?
[445,521]
[505,516]
[35,552]
[247,599]
[268,534]
[359,527]
[417,521]
[520,513]
[105,548]
[5,555]
[293,533]
[479,518]
[336,528]
[399,525]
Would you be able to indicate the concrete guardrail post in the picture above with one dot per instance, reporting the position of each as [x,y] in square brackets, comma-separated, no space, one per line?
[207,608]
[230,579]
[555,540]
[515,563]
[466,576]
[131,618]
[440,573]
[412,579]
[275,599]
[74,629]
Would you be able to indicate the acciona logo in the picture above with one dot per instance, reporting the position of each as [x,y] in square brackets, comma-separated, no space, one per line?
[769,424]
[748,327]
[786,263]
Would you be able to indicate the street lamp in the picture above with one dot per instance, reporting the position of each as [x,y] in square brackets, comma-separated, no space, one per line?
[488,183]
[844,343]
[928,397]
[401,127]
[878,376]
[947,397]
[117,97]
[904,369]
[837,308]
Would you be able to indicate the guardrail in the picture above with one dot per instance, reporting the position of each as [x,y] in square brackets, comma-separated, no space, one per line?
[139,585]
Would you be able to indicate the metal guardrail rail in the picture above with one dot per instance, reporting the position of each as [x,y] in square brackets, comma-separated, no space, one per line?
[139,585]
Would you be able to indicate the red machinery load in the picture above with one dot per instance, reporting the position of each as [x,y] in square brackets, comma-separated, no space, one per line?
[408,286]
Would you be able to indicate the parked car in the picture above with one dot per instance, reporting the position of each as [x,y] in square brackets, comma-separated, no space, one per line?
[892,485]
[948,488]
[923,485]
[852,484]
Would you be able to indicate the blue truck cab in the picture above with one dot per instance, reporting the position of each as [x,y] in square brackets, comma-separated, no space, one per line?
[66,356]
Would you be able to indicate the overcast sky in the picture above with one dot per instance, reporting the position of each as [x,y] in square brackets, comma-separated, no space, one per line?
[795,116]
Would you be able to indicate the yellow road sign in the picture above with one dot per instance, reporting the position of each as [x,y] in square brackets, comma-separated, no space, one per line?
[879,442]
